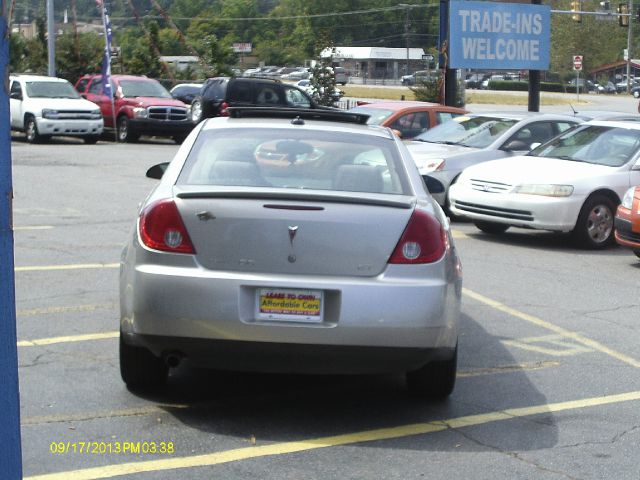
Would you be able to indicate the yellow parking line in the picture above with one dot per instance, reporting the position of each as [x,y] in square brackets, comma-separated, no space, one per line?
[457,234]
[67,339]
[71,308]
[218,458]
[554,328]
[77,266]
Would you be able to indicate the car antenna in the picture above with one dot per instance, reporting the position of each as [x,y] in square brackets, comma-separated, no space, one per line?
[573,109]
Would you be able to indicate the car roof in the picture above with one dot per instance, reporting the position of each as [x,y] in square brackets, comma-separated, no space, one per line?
[632,124]
[39,78]
[526,115]
[291,118]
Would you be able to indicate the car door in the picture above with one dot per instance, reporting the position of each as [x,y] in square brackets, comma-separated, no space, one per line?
[97,96]
[15,104]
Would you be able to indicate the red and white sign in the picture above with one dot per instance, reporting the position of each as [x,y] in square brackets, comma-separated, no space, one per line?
[577,62]
[242,47]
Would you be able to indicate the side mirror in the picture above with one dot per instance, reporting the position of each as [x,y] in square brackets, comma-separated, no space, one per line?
[157,171]
[516,146]
[16,95]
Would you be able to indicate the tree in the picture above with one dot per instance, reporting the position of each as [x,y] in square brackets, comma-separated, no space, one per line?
[76,57]
[323,83]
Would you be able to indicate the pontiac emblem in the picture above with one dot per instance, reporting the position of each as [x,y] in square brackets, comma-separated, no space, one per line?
[292,233]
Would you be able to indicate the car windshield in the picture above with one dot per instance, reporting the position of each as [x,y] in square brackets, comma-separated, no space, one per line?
[376,115]
[285,158]
[51,90]
[597,144]
[145,88]
[478,131]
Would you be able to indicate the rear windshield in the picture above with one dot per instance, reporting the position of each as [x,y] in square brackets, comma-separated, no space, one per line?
[146,88]
[376,115]
[303,159]
[477,131]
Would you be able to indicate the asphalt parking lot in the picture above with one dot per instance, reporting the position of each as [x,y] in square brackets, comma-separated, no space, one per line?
[548,384]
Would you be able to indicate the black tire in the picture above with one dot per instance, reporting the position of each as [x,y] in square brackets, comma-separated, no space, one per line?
[125,134]
[31,130]
[491,227]
[637,252]
[435,380]
[196,111]
[179,138]
[139,368]
[594,227]
[91,139]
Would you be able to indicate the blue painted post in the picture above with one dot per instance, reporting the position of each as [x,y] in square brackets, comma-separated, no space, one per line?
[10,451]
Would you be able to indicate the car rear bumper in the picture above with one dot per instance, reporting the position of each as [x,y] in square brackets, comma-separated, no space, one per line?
[286,357]
[69,127]
[391,311]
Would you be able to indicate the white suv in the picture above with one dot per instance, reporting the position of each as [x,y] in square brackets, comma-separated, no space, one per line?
[45,106]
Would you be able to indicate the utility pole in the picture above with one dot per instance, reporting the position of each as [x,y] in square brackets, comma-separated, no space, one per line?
[534,83]
[51,39]
[10,449]
[629,47]
[406,36]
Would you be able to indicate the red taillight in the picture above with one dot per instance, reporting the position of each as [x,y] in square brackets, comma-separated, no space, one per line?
[223,109]
[161,228]
[424,240]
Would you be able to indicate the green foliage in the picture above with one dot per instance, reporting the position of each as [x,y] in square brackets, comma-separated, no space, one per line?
[427,90]
[323,84]
[79,55]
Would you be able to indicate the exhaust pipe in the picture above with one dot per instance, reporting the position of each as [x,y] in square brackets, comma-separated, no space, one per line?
[173,359]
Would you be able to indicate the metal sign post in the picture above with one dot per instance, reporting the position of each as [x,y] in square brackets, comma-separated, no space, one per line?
[577,66]
[10,451]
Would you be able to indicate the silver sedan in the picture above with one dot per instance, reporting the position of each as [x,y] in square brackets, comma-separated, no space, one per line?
[291,241]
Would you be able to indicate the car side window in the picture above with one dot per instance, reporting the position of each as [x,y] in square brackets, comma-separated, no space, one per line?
[295,98]
[82,85]
[239,92]
[16,89]
[537,132]
[411,124]
[445,116]
[96,86]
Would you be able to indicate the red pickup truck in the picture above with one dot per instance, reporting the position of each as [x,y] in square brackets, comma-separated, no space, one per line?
[142,106]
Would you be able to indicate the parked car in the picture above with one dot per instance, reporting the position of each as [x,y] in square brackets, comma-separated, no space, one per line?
[45,106]
[627,221]
[246,256]
[586,86]
[141,106]
[492,78]
[185,92]
[408,118]
[418,76]
[341,75]
[475,80]
[220,93]
[442,152]
[573,183]
[607,88]
[635,91]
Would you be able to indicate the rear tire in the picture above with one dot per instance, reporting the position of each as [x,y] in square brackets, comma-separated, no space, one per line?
[594,228]
[491,227]
[637,252]
[139,368]
[434,380]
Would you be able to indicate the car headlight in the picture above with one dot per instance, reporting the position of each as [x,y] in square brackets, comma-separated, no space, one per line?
[627,200]
[50,114]
[96,114]
[140,112]
[544,190]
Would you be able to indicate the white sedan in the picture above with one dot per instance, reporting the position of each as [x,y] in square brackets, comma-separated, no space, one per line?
[571,184]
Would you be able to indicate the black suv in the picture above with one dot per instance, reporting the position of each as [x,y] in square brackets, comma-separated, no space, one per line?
[220,93]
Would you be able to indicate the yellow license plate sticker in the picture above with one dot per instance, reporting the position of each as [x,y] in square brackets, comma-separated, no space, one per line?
[289,305]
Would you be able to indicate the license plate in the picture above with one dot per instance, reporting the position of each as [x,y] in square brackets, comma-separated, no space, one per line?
[289,305]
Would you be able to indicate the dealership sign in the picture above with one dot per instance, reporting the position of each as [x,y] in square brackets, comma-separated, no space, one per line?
[499,36]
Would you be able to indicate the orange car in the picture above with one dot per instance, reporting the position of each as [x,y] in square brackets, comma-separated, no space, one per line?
[627,220]
[408,117]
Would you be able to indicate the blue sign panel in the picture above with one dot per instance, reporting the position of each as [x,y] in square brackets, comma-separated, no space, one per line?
[499,36]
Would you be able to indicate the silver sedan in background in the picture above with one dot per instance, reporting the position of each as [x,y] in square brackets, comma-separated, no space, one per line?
[291,241]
